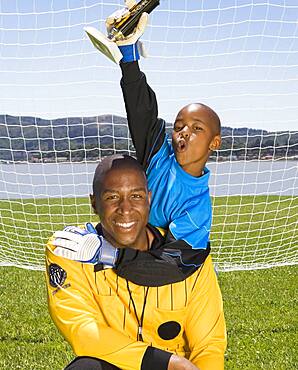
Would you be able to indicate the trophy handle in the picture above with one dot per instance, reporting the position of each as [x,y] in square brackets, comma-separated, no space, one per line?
[127,24]
[120,30]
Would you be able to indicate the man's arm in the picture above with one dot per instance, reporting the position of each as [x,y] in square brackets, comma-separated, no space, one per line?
[147,131]
[205,324]
[78,317]
[180,363]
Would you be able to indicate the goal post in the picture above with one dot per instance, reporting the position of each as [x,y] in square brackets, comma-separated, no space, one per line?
[61,109]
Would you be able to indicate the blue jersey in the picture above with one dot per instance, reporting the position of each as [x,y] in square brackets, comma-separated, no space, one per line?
[179,201]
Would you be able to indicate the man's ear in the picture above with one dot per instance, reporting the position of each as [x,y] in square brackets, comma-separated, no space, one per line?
[93,202]
[215,143]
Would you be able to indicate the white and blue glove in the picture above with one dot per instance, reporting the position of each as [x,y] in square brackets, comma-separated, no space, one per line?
[130,47]
[84,245]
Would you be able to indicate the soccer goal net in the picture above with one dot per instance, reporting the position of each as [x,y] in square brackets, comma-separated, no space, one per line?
[61,110]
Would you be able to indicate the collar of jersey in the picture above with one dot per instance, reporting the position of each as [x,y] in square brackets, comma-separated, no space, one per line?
[192,180]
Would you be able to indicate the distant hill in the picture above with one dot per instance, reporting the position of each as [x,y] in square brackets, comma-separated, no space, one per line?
[83,138]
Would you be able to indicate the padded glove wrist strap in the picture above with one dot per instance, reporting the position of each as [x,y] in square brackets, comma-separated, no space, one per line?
[130,53]
[107,254]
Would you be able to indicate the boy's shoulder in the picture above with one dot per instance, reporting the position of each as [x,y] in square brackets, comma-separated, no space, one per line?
[162,157]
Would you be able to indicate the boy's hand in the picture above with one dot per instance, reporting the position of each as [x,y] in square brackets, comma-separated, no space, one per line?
[130,46]
[84,245]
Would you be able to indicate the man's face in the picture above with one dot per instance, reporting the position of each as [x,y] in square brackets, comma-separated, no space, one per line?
[123,207]
[194,137]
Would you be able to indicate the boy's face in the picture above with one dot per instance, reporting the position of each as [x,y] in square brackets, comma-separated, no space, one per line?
[194,136]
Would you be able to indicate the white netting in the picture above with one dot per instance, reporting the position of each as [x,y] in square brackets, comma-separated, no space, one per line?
[240,57]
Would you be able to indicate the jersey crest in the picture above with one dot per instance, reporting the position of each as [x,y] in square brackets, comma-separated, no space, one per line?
[57,275]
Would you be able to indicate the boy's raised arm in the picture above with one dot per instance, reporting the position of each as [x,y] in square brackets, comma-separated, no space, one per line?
[147,131]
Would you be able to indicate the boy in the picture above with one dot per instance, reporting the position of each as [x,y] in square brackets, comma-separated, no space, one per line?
[177,176]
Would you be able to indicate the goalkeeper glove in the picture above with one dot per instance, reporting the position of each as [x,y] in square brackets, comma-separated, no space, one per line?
[130,47]
[84,246]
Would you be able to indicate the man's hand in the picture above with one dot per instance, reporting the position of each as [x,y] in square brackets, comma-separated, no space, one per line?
[130,47]
[180,363]
[84,245]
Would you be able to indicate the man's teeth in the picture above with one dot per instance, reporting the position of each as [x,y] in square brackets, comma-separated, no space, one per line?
[125,225]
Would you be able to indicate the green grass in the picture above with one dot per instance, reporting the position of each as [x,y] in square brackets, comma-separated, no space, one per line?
[254,229]
[260,306]
[260,310]
[245,229]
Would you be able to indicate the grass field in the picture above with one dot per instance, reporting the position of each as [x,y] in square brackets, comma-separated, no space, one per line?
[260,306]
[260,309]
[246,230]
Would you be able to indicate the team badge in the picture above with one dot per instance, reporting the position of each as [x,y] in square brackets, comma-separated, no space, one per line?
[57,275]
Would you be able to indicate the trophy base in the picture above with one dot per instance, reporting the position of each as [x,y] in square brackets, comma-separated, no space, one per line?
[103,44]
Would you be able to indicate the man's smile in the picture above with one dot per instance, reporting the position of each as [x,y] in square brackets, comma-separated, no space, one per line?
[125,226]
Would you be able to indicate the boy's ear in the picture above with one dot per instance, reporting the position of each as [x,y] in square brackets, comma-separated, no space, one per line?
[149,197]
[215,143]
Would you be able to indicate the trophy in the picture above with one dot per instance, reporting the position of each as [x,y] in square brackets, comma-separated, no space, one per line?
[120,29]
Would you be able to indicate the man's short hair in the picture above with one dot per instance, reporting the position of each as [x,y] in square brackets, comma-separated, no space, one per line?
[115,161]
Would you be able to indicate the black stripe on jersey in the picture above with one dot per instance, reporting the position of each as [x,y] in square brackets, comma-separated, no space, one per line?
[198,274]
[129,302]
[117,285]
[95,281]
[124,317]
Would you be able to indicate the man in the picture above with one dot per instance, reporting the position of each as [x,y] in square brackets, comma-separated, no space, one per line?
[112,323]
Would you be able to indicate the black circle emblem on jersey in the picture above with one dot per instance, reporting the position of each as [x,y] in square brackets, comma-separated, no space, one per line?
[57,275]
[169,330]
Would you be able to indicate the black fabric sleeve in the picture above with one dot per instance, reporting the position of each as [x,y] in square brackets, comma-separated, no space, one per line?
[146,130]
[155,358]
[166,262]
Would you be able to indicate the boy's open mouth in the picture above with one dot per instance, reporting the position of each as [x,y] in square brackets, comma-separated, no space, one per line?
[181,146]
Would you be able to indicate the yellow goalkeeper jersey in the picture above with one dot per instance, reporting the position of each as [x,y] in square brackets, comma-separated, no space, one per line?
[105,316]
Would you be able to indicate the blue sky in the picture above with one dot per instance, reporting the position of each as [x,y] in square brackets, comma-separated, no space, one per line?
[238,56]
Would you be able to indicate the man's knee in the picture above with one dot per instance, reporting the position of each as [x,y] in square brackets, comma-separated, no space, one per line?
[89,363]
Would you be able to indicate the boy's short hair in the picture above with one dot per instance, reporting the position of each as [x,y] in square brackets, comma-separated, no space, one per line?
[216,119]
[214,115]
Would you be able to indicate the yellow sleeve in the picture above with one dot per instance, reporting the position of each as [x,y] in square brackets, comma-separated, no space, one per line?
[78,317]
[205,323]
